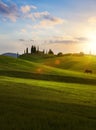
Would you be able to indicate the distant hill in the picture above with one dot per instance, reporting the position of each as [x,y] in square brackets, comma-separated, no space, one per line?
[10,54]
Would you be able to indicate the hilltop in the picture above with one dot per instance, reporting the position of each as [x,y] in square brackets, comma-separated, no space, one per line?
[68,62]
[40,70]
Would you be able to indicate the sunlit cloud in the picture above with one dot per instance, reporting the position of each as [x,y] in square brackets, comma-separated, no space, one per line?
[45,18]
[23,31]
[59,27]
[63,41]
[9,11]
[38,15]
[49,23]
[73,40]
[82,39]
[27,8]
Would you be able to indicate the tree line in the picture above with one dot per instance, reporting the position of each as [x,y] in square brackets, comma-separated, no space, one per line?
[35,50]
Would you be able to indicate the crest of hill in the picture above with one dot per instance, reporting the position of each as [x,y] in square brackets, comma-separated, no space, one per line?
[17,64]
[67,62]
[16,67]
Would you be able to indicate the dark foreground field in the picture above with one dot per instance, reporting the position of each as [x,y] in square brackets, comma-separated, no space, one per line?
[45,101]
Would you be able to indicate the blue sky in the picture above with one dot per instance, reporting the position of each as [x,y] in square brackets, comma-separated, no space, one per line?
[63,25]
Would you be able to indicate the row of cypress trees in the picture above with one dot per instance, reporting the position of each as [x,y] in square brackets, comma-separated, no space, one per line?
[35,50]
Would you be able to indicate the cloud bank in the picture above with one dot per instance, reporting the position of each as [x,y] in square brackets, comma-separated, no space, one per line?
[74,40]
[13,12]
[9,11]
[27,8]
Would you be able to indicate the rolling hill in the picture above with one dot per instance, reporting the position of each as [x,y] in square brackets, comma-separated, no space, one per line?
[68,62]
[28,69]
[40,94]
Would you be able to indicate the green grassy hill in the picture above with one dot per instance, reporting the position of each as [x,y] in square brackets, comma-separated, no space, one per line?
[27,69]
[71,62]
[39,105]
[41,94]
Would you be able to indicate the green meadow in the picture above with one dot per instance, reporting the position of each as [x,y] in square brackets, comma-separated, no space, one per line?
[47,93]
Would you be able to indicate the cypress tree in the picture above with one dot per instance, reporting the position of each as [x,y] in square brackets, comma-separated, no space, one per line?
[50,52]
[26,50]
[32,49]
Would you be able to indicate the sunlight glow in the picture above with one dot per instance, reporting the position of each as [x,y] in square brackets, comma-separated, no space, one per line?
[91,45]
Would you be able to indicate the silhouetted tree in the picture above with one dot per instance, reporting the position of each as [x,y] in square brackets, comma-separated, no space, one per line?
[50,52]
[43,51]
[32,49]
[60,54]
[26,50]
[37,49]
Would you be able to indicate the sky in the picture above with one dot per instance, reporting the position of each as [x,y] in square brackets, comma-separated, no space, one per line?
[67,26]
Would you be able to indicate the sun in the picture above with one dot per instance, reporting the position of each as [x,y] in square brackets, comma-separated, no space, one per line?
[91,44]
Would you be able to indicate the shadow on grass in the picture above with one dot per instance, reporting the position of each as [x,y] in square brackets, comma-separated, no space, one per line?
[47,77]
[42,115]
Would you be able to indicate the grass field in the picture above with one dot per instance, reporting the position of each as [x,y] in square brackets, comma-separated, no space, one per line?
[38,96]
[71,62]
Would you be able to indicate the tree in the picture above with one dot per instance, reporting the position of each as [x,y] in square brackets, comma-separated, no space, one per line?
[32,49]
[50,52]
[43,51]
[26,50]
[60,54]
[37,50]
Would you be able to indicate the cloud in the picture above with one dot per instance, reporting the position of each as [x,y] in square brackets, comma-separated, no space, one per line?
[21,40]
[45,16]
[12,12]
[74,40]
[52,21]
[23,30]
[27,8]
[9,11]
[41,14]
[81,39]
[32,40]
[49,23]
[63,41]
[38,15]
[46,19]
